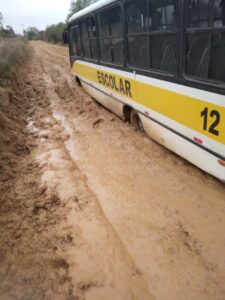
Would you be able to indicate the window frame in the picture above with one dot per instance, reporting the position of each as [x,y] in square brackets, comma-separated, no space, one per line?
[122,36]
[149,33]
[75,26]
[210,30]
[85,19]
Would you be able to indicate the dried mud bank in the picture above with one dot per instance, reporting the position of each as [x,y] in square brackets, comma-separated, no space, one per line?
[32,249]
[91,209]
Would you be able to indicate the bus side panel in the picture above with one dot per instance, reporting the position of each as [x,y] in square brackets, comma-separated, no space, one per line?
[202,159]
[105,100]
[162,105]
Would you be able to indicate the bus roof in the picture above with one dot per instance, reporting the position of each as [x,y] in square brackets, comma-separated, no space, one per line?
[95,6]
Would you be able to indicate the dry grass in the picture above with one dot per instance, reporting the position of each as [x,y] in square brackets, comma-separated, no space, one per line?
[12,53]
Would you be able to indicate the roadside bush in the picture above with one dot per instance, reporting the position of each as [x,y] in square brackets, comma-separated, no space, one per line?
[53,33]
[13,51]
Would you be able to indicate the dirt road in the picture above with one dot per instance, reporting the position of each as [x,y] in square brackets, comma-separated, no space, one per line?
[91,209]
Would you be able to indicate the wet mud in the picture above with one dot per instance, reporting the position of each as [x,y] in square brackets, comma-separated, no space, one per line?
[92,209]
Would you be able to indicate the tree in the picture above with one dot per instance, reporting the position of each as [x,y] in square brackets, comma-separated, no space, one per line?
[77,5]
[1,20]
[32,33]
[7,32]
[54,33]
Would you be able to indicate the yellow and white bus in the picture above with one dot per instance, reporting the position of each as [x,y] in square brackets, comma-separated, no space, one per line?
[159,64]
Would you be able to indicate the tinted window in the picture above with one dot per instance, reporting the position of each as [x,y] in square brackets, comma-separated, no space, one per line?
[138,48]
[85,40]
[136,14]
[197,54]
[115,21]
[206,49]
[163,47]
[94,48]
[217,57]
[103,22]
[105,50]
[117,50]
[219,13]
[89,41]
[91,27]
[75,45]
[111,35]
[146,48]
[198,13]
[137,24]
[163,14]
[163,53]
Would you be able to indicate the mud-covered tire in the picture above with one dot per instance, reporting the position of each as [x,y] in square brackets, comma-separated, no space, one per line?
[135,121]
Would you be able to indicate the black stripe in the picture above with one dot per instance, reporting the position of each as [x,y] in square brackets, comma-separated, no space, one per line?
[217,155]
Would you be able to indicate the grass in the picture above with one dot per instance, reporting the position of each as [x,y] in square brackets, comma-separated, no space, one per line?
[13,52]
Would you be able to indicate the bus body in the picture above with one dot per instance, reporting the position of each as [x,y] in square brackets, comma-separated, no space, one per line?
[164,60]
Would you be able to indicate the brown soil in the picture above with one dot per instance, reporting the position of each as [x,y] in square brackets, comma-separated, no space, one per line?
[91,209]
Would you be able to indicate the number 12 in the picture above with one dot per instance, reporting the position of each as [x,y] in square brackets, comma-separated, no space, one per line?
[213,114]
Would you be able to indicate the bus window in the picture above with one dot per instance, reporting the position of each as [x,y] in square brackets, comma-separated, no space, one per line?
[217,53]
[206,49]
[92,37]
[163,15]
[197,55]
[116,33]
[219,13]
[115,21]
[111,35]
[117,50]
[163,53]
[105,48]
[103,24]
[91,28]
[198,43]
[217,57]
[163,35]
[136,16]
[75,44]
[198,13]
[85,39]
[137,26]
[138,49]
[89,40]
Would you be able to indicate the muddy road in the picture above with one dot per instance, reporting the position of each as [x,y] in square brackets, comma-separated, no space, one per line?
[92,209]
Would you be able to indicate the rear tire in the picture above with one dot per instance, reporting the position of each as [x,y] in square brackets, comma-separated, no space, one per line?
[78,81]
[135,121]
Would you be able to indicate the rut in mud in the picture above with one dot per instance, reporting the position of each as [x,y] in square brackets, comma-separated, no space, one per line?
[91,209]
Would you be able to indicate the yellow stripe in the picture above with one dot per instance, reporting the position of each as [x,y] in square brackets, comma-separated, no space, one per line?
[183,109]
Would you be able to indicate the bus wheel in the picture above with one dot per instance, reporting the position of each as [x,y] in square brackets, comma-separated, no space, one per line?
[135,121]
[78,81]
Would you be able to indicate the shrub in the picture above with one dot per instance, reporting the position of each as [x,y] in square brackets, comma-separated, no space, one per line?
[13,51]
[53,33]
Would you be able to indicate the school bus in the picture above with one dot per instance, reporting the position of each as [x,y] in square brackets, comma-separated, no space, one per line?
[159,64]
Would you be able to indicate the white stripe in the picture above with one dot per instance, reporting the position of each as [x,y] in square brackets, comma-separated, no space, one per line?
[205,96]
[90,8]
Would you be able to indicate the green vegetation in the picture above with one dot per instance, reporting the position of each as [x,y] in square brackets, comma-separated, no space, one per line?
[33,34]
[53,33]
[77,5]
[7,31]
